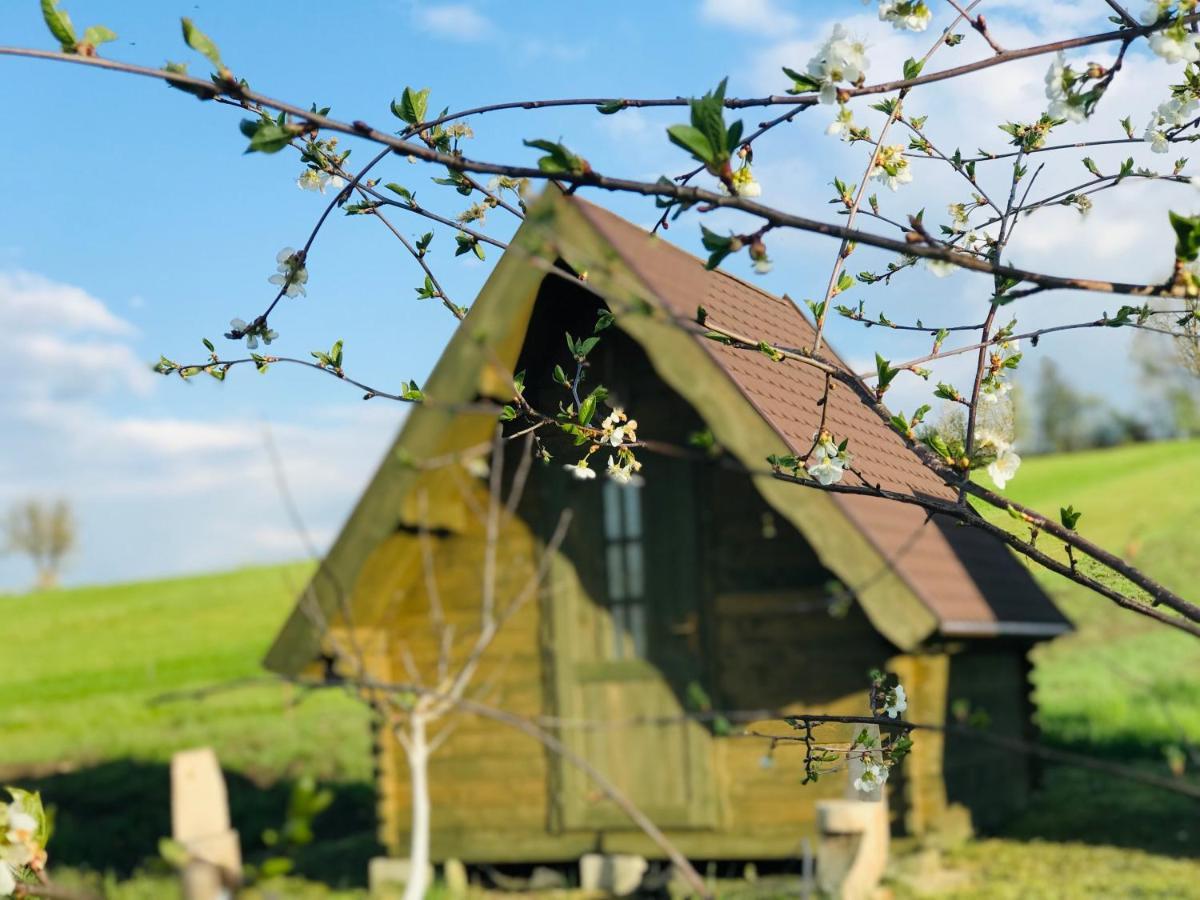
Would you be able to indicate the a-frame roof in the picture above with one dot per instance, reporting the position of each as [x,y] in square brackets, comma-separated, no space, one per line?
[914,578]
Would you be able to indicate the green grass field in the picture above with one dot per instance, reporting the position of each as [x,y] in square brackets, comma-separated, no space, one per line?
[1120,680]
[108,690]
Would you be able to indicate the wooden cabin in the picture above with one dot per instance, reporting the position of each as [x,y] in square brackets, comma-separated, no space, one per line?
[709,584]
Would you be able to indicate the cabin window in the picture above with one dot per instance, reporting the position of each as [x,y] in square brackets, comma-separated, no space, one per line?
[624,569]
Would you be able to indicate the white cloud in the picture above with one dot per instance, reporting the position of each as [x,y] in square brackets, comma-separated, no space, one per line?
[754,16]
[58,342]
[159,487]
[454,21]
[30,302]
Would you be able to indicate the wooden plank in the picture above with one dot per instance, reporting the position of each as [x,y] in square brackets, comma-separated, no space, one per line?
[499,845]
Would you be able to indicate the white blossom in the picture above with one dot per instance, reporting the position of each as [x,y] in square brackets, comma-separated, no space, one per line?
[252,334]
[874,775]
[313,180]
[839,59]
[621,474]
[959,215]
[842,123]
[827,462]
[1157,138]
[1175,44]
[905,15]
[1004,468]
[891,168]
[8,880]
[291,275]
[896,702]
[581,471]
[744,184]
[1153,11]
[995,391]
[940,267]
[617,428]
[1064,103]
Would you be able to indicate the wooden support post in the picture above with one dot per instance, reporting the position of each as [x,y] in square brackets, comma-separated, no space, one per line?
[854,838]
[200,823]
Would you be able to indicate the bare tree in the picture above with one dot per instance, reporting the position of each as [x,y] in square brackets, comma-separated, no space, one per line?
[44,531]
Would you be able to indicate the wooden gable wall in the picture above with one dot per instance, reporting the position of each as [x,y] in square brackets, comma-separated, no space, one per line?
[769,637]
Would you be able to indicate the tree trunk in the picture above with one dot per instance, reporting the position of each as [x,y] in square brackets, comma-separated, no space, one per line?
[418,768]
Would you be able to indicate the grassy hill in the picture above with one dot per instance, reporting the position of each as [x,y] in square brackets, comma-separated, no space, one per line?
[1120,680]
[105,662]
[105,692]
[108,690]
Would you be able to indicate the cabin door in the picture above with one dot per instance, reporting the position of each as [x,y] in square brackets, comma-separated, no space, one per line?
[626,631]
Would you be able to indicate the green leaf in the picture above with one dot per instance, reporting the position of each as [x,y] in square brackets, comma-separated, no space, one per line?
[427,291]
[401,190]
[947,392]
[609,107]
[95,35]
[1187,236]
[558,159]
[769,352]
[266,135]
[586,346]
[587,409]
[467,244]
[885,373]
[912,68]
[708,115]
[934,442]
[801,83]
[718,246]
[694,141]
[209,345]
[60,25]
[201,43]
[1069,517]
[707,138]
[412,106]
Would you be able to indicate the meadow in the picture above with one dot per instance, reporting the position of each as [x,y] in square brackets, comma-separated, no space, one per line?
[104,683]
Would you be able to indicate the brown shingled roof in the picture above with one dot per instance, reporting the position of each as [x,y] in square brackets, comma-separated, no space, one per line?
[970,581]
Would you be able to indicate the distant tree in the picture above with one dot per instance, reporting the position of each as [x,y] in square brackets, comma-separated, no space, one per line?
[1061,411]
[1170,376]
[43,531]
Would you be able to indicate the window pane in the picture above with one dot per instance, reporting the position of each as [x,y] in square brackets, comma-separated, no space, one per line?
[615,570]
[633,510]
[612,510]
[619,631]
[635,580]
[636,615]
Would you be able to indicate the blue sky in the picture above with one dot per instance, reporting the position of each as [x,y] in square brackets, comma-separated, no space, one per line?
[134,225]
